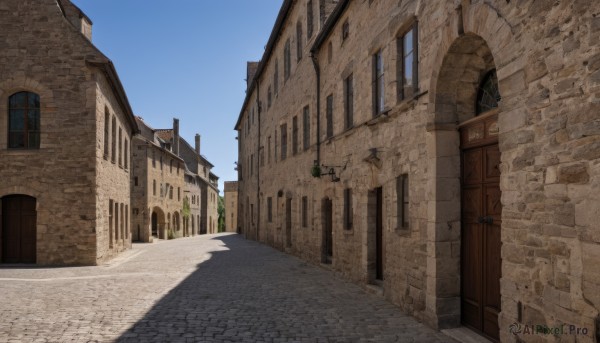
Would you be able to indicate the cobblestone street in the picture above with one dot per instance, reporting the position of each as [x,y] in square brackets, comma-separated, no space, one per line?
[215,288]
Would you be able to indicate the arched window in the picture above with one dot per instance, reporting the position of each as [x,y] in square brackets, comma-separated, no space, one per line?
[488,94]
[24,121]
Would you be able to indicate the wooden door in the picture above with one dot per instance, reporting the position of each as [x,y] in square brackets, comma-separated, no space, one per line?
[19,222]
[327,230]
[379,235]
[481,223]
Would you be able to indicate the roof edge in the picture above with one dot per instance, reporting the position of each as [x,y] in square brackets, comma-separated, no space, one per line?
[329,25]
[275,32]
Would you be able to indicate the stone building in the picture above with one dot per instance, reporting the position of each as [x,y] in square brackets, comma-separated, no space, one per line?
[458,149]
[206,181]
[231,205]
[158,184]
[65,138]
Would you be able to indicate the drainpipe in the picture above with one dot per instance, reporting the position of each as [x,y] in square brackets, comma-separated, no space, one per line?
[257,85]
[318,74]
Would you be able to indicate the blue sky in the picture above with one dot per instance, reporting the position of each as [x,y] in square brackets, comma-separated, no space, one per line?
[185,59]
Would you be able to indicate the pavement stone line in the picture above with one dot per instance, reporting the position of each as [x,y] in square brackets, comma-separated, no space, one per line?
[210,288]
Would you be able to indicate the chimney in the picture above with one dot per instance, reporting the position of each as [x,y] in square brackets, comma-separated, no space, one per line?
[251,71]
[175,146]
[198,144]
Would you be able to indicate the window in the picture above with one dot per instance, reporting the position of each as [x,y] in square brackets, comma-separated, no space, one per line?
[299,41]
[251,164]
[329,116]
[178,193]
[287,63]
[24,121]
[378,84]
[348,209]
[309,19]
[106,130]
[171,166]
[276,78]
[178,167]
[402,201]
[283,141]
[345,30]
[171,192]
[270,209]
[113,149]
[161,162]
[295,135]
[304,211]
[110,222]
[276,146]
[269,96]
[120,150]
[408,67]
[306,127]
[153,187]
[117,223]
[348,102]
[269,149]
[135,181]
[126,153]
[488,94]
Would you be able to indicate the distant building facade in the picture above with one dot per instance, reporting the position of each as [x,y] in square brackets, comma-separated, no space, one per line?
[65,139]
[230,190]
[444,153]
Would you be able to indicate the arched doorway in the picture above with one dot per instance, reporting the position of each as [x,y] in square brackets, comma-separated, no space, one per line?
[157,223]
[19,229]
[468,177]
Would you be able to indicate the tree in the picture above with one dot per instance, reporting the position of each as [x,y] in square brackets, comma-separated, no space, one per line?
[221,211]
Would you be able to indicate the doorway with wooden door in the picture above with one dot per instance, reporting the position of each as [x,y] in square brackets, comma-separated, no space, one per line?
[375,246]
[19,229]
[481,264]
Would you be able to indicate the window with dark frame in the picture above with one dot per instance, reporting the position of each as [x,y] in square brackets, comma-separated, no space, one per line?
[153,187]
[304,211]
[299,44]
[283,141]
[287,60]
[269,97]
[24,121]
[348,102]
[113,157]
[126,153]
[135,181]
[348,215]
[408,64]
[294,135]
[345,30]
[306,127]
[270,209]
[402,201]
[276,78]
[309,19]
[106,131]
[378,84]
[329,116]
[120,148]
[269,149]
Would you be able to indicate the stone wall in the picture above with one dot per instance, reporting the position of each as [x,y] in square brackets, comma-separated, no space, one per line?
[42,52]
[231,205]
[545,54]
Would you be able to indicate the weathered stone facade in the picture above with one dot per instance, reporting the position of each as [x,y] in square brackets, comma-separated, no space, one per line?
[75,173]
[230,190]
[165,178]
[402,135]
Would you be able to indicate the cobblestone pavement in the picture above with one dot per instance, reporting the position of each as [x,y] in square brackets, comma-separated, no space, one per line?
[215,288]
